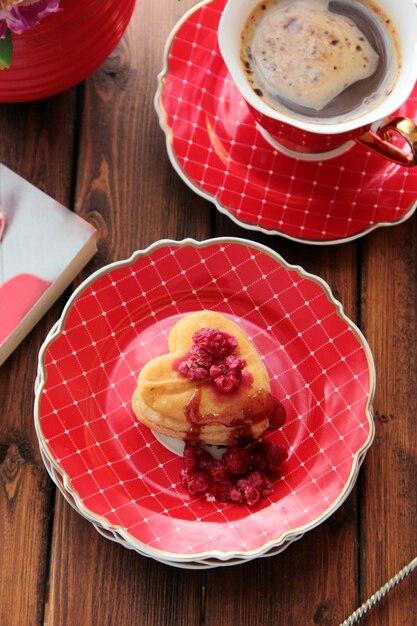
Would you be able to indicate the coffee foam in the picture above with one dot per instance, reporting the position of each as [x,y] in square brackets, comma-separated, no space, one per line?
[305,53]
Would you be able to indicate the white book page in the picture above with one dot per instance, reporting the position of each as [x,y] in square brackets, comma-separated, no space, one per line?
[40,235]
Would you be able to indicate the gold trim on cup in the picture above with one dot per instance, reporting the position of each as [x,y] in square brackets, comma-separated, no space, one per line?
[380,141]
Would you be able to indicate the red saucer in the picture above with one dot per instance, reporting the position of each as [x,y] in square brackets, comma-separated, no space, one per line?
[214,145]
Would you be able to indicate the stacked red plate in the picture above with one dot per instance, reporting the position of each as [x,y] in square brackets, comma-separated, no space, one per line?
[114,471]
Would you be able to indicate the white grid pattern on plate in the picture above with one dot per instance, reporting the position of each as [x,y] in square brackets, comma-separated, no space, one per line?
[208,269]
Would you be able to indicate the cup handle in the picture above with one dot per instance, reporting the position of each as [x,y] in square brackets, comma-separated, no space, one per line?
[379,141]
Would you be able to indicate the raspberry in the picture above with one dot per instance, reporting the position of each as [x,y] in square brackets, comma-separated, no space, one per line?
[221,489]
[258,459]
[201,356]
[254,487]
[196,482]
[249,492]
[203,458]
[225,384]
[214,341]
[227,374]
[210,359]
[274,456]
[192,370]
[241,476]
[236,495]
[259,481]
[218,471]
[190,458]
[238,460]
[278,416]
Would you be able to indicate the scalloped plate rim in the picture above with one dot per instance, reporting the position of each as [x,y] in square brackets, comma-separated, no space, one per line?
[223,556]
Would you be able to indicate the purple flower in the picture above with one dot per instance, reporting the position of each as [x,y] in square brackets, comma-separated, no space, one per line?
[21,15]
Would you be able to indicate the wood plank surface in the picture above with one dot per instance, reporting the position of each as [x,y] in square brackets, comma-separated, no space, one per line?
[389,486]
[281,595]
[99,148]
[37,142]
[127,188]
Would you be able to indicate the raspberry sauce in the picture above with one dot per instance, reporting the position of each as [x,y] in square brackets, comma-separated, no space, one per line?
[240,423]
[277,417]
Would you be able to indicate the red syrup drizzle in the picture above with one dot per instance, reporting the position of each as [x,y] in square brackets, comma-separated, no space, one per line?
[244,475]
[277,417]
[257,407]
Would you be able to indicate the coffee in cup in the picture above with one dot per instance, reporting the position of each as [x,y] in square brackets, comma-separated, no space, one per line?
[374,45]
[320,59]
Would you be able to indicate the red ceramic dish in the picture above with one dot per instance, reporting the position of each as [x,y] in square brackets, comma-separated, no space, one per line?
[120,476]
[64,48]
[217,149]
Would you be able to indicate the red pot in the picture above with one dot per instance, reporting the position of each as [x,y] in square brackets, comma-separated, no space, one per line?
[64,48]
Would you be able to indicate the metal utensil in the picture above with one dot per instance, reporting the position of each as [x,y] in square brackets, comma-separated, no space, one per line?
[362,610]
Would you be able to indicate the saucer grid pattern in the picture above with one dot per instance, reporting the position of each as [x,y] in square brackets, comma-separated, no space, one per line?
[216,148]
[114,468]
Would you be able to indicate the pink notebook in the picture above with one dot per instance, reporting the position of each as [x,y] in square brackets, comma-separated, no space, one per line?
[43,246]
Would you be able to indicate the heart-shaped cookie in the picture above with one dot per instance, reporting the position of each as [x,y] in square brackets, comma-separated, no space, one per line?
[171,402]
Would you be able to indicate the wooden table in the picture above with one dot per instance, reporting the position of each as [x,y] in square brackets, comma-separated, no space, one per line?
[98,148]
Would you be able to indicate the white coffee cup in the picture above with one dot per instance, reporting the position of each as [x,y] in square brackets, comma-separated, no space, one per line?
[312,140]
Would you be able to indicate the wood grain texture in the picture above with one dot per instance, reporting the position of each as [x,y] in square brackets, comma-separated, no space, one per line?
[125,182]
[311,582]
[99,583]
[389,504]
[126,186]
[37,142]
[280,594]
[101,145]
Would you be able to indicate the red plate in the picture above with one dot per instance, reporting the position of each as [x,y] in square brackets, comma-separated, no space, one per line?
[214,145]
[117,473]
